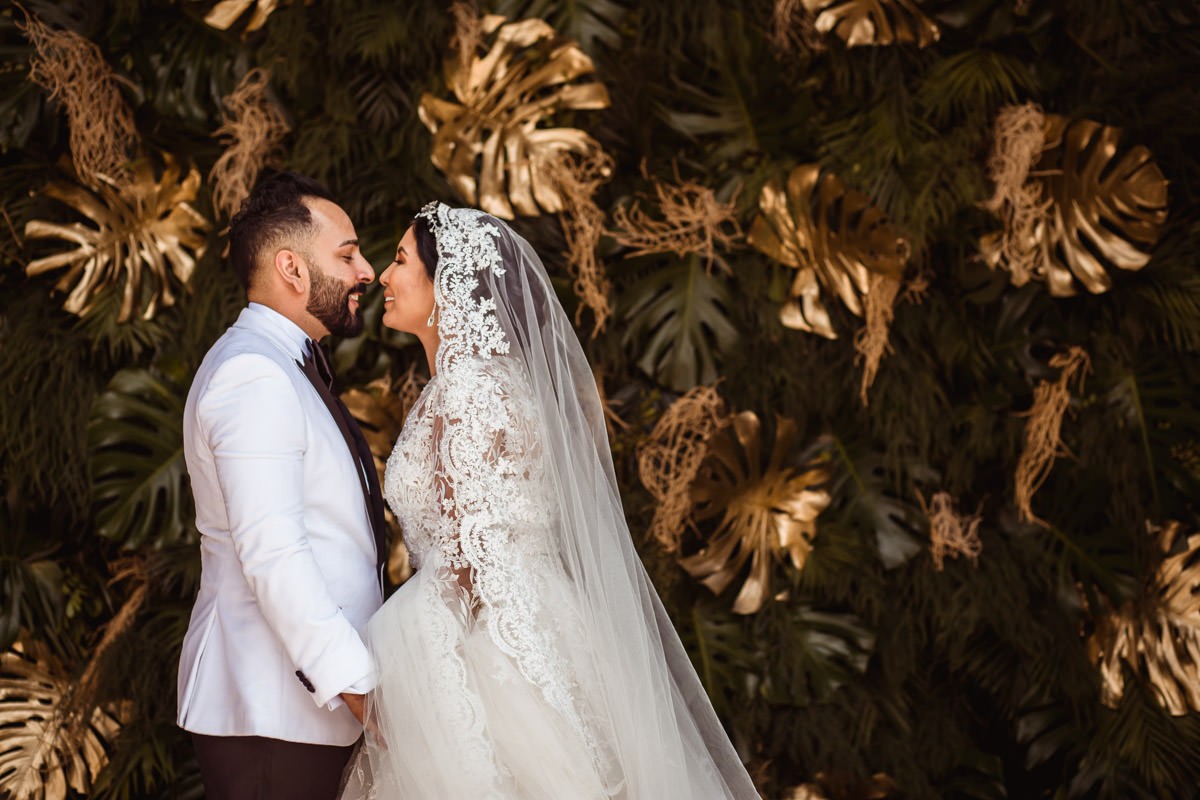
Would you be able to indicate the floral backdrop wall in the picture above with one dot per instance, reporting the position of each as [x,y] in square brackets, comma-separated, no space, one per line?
[894,306]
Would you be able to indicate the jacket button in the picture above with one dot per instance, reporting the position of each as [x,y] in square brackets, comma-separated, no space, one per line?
[305,682]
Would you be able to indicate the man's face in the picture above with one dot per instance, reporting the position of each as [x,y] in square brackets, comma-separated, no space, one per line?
[338,273]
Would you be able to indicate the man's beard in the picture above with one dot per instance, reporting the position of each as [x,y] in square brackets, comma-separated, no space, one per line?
[329,302]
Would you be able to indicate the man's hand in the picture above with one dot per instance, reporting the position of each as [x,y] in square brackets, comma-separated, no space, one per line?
[357,703]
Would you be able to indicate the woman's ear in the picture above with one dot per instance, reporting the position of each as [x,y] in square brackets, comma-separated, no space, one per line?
[292,269]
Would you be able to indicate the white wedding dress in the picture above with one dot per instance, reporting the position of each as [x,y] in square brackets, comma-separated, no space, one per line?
[528,657]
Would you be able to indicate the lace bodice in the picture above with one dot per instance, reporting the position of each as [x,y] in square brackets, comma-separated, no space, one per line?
[506,477]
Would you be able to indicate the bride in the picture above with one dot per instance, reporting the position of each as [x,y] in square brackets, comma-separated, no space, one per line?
[529,656]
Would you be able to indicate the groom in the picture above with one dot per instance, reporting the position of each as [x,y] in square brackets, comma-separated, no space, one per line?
[273,671]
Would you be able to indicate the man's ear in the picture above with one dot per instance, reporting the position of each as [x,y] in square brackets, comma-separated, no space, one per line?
[292,269]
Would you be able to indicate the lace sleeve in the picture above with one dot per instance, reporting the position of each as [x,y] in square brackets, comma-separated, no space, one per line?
[498,520]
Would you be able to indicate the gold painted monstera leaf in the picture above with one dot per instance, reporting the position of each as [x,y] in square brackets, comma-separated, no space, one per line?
[834,238]
[764,509]
[145,237]
[1159,637]
[525,77]
[226,12]
[44,756]
[873,22]
[1107,207]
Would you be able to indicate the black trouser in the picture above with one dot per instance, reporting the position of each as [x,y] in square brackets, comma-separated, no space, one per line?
[256,768]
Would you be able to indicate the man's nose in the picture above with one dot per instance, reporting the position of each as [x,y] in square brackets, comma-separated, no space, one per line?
[366,272]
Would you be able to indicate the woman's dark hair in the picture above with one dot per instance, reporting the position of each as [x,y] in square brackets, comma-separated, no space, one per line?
[426,245]
[273,214]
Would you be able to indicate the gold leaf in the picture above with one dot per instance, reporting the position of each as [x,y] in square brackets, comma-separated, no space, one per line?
[1104,209]
[226,12]
[874,22]
[1159,635]
[765,510]
[524,78]
[834,238]
[381,409]
[252,130]
[146,236]
[43,756]
[669,459]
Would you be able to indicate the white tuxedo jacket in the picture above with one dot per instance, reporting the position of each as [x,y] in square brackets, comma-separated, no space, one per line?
[287,552]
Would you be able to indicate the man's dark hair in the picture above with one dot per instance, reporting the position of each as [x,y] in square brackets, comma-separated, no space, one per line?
[273,214]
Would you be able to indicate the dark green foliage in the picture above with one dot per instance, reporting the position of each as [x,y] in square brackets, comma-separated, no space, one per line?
[969,682]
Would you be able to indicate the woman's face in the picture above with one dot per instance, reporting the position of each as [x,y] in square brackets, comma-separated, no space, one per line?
[407,290]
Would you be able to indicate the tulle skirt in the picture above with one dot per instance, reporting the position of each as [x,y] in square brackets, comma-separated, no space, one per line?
[452,715]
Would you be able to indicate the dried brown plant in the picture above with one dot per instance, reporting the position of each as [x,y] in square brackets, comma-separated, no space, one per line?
[669,459]
[692,220]
[468,29]
[103,136]
[792,29]
[1019,201]
[871,341]
[252,130]
[577,178]
[950,533]
[1043,431]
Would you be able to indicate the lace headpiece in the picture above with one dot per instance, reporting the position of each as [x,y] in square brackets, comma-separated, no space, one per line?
[467,247]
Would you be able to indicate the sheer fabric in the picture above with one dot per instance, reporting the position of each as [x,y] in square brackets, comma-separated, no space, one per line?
[528,656]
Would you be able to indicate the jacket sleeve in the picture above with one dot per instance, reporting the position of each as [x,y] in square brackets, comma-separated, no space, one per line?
[253,422]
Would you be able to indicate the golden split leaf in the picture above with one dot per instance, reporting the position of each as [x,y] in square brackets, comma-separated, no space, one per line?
[874,22]
[1159,637]
[501,97]
[45,755]
[381,409]
[226,12]
[834,238]
[145,238]
[765,510]
[1106,207]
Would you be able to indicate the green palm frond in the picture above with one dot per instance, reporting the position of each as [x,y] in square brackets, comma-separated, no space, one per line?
[814,654]
[187,73]
[974,82]
[678,323]
[139,481]
[724,655]
[863,497]
[732,104]
[31,583]
[591,23]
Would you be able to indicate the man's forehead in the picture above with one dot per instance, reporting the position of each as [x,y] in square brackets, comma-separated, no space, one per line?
[331,221]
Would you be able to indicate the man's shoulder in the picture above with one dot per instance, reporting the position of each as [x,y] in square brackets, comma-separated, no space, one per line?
[244,352]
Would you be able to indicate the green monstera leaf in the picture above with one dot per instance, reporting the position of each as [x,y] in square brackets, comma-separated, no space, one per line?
[139,481]
[677,318]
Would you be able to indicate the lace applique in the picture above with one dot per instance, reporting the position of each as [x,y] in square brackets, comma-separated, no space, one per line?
[467,324]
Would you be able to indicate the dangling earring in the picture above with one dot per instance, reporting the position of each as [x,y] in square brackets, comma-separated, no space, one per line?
[432,318]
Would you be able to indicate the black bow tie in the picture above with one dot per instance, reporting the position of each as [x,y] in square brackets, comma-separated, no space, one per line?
[315,359]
